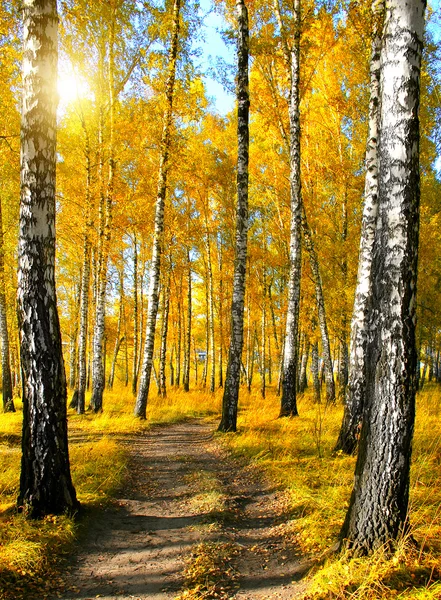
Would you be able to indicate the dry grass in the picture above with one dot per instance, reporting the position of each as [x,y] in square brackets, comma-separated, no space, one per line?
[297,453]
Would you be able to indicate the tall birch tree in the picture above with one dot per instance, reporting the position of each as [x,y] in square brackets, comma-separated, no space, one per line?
[232,380]
[45,481]
[155,267]
[8,402]
[288,407]
[354,401]
[378,510]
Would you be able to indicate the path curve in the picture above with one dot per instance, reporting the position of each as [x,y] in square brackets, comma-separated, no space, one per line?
[184,490]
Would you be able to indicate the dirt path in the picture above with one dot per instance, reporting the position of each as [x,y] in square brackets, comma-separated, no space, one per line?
[186,498]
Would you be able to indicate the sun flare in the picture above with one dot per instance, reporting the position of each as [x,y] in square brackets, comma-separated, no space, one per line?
[70,88]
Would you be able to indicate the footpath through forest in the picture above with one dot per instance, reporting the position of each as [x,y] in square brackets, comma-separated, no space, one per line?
[189,515]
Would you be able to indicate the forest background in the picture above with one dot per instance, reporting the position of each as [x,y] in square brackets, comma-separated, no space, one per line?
[100,224]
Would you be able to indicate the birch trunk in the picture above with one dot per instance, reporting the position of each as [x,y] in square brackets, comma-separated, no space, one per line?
[164,331]
[45,481]
[8,403]
[354,400]
[303,379]
[119,339]
[187,348]
[288,406]
[321,310]
[211,316]
[221,316]
[263,344]
[155,267]
[315,372]
[232,380]
[135,317]
[106,210]
[378,510]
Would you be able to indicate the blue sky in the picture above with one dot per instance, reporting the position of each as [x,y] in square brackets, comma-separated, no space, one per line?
[214,47]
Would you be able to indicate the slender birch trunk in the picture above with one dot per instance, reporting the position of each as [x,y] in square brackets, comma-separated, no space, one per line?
[118,339]
[187,347]
[355,394]
[135,317]
[378,510]
[232,381]
[221,315]
[288,405]
[303,379]
[164,332]
[179,340]
[211,314]
[45,481]
[321,310]
[8,402]
[106,216]
[263,344]
[315,372]
[155,267]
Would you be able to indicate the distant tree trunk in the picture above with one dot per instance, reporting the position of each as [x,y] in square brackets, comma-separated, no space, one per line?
[106,216]
[211,314]
[73,372]
[155,267]
[45,481]
[179,342]
[207,334]
[354,399]
[8,403]
[135,317]
[378,510]
[221,316]
[326,347]
[171,367]
[187,348]
[303,379]
[232,381]
[118,339]
[288,406]
[263,344]
[164,332]
[315,372]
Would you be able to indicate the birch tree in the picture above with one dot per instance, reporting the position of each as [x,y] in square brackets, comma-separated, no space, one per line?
[288,406]
[378,510]
[354,401]
[232,380]
[155,268]
[8,402]
[45,482]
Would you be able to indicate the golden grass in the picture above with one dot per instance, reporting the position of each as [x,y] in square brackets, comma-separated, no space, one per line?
[296,453]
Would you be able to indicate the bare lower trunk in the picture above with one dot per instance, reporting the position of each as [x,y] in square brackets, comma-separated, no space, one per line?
[321,310]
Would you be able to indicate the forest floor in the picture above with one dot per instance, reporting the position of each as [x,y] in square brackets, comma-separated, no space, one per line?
[190,522]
